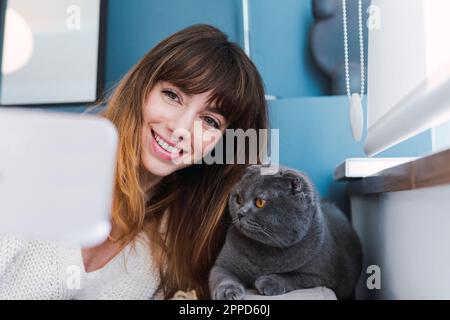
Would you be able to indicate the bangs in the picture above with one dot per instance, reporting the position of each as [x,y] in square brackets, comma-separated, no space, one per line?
[214,66]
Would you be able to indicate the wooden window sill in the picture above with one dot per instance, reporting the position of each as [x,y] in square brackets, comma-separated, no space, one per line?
[429,171]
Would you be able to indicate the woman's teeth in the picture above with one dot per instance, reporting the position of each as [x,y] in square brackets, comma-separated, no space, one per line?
[163,144]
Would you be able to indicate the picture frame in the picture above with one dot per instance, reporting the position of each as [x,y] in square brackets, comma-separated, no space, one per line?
[52,52]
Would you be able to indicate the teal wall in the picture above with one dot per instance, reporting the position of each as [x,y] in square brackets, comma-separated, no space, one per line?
[279,38]
[315,137]
[135,26]
[279,42]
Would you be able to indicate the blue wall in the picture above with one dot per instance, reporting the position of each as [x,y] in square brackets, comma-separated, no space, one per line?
[279,42]
[315,137]
[279,37]
[135,26]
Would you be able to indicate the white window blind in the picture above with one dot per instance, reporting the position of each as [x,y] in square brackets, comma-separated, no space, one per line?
[409,71]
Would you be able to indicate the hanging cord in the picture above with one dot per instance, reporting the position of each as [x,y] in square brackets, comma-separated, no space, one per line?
[361,47]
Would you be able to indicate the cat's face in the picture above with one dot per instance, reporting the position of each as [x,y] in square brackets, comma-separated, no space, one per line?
[273,209]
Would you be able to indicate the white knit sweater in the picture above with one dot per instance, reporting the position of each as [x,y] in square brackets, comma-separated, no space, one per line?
[49,270]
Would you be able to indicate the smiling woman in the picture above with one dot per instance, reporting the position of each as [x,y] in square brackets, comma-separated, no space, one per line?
[195,78]
[169,117]
[168,217]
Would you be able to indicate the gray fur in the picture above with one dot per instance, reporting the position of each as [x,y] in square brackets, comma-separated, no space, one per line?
[294,242]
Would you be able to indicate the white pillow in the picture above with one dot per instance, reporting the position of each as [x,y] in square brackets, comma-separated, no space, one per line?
[319,293]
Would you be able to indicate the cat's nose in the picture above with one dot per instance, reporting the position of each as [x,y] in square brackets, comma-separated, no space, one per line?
[240,215]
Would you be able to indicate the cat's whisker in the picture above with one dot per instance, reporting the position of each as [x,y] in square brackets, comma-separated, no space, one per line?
[255,226]
[254,223]
[266,231]
[273,236]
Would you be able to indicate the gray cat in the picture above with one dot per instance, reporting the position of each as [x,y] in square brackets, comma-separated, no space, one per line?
[283,238]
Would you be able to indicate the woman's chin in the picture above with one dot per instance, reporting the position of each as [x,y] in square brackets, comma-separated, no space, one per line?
[158,167]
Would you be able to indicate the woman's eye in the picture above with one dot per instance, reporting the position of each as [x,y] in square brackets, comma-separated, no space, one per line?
[212,122]
[171,95]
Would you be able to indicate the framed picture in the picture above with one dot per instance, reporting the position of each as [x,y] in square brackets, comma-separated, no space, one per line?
[51,52]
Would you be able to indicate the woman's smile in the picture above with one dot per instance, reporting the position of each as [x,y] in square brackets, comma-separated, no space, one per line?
[163,148]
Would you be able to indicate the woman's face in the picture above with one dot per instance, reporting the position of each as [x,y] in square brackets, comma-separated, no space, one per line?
[178,129]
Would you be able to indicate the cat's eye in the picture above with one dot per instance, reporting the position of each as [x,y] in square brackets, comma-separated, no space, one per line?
[260,203]
[238,199]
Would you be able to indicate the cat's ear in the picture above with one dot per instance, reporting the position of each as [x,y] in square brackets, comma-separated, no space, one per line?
[296,186]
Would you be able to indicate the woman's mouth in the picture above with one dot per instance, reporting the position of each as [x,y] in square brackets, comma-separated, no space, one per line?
[164,149]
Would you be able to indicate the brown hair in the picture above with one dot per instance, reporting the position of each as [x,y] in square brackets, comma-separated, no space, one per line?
[197,59]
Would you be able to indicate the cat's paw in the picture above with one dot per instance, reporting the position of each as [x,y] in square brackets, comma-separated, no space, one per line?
[229,291]
[269,286]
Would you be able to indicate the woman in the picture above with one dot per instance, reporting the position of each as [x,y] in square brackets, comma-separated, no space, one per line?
[168,217]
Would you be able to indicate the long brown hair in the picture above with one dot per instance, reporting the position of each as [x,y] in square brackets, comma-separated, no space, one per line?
[197,59]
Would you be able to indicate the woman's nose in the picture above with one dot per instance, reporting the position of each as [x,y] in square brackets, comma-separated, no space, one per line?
[181,125]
